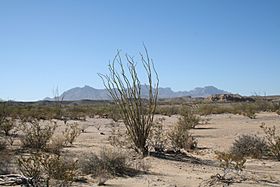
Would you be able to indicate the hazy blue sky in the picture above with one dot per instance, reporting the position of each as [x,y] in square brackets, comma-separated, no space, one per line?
[231,44]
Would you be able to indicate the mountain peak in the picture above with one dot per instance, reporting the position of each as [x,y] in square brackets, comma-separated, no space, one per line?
[89,93]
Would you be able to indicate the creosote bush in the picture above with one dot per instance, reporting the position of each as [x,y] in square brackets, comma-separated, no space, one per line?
[71,132]
[56,144]
[7,125]
[180,138]
[5,161]
[35,135]
[47,169]
[158,139]
[273,140]
[249,145]
[3,144]
[107,164]
[120,139]
[126,90]
[231,161]
[188,119]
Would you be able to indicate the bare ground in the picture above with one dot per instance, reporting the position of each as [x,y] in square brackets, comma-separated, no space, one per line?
[199,165]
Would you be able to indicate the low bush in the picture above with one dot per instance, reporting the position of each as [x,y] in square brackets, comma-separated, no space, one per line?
[56,144]
[231,161]
[3,144]
[47,169]
[120,138]
[180,138]
[7,125]
[168,110]
[249,145]
[188,119]
[108,163]
[71,132]
[249,111]
[36,135]
[273,140]
[6,158]
[158,138]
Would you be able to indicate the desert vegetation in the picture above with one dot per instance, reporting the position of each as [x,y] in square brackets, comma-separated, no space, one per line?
[125,90]
[39,151]
[78,143]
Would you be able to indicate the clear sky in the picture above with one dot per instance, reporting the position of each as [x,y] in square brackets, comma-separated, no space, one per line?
[231,44]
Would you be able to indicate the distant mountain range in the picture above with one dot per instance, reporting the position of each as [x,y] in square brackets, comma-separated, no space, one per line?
[89,93]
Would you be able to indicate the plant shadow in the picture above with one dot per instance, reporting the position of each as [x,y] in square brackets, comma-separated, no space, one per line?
[182,157]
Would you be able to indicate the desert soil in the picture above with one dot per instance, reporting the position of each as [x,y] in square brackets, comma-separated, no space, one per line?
[217,135]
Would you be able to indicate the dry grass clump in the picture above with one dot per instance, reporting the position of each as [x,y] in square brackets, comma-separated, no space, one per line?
[249,145]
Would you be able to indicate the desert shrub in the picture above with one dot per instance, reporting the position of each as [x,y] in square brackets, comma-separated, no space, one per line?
[60,168]
[75,113]
[30,166]
[120,139]
[188,119]
[47,170]
[56,144]
[231,161]
[105,165]
[180,138]
[158,137]
[263,105]
[276,107]
[273,140]
[7,125]
[71,132]
[6,122]
[206,109]
[3,144]
[5,161]
[249,145]
[126,91]
[168,110]
[246,109]
[36,135]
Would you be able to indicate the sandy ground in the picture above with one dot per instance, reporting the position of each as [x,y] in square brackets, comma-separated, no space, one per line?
[217,135]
